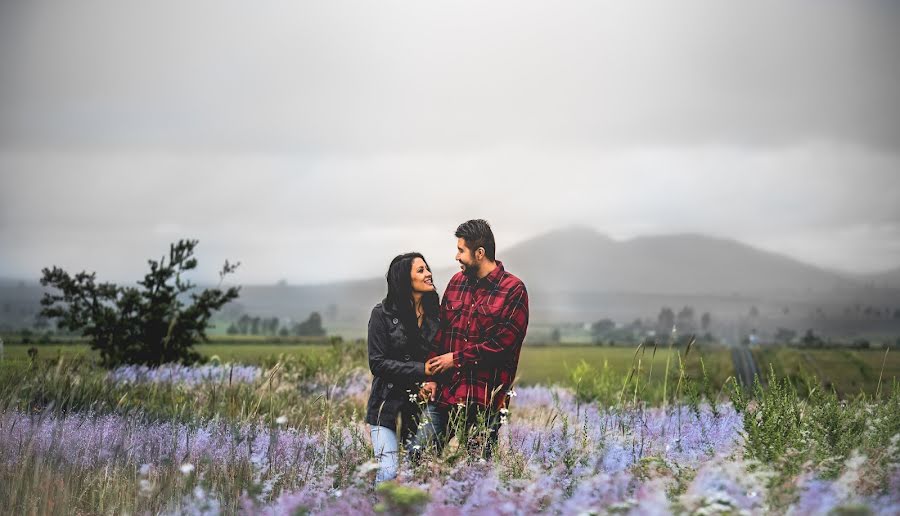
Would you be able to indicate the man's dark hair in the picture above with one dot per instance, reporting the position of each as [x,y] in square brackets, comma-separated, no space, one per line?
[477,233]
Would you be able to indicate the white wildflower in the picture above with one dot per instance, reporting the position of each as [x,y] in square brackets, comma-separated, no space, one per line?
[281,420]
[186,468]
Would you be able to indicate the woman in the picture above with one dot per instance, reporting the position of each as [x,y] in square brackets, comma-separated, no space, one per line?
[401,330]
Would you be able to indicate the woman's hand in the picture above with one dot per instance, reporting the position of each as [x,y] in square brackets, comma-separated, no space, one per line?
[428,390]
[439,364]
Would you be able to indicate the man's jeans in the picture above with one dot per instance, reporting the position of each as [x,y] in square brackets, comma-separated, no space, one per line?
[384,442]
[470,424]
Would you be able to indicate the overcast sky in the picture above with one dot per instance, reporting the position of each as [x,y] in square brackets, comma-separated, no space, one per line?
[313,141]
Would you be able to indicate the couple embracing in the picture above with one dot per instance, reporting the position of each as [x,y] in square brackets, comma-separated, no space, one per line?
[459,355]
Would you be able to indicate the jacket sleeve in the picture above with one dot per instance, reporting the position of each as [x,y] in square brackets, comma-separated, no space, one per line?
[380,364]
[503,336]
[437,346]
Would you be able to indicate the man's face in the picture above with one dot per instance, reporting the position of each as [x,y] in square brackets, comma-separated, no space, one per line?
[465,257]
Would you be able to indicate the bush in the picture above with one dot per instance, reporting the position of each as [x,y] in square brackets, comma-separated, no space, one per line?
[149,326]
[400,499]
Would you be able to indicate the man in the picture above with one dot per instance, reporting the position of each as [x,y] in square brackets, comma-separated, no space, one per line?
[484,317]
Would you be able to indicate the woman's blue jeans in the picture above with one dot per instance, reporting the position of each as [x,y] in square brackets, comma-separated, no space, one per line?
[384,442]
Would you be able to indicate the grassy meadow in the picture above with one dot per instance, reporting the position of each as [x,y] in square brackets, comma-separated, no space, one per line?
[267,428]
[848,371]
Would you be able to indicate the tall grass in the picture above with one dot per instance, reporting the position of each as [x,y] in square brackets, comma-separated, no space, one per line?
[288,437]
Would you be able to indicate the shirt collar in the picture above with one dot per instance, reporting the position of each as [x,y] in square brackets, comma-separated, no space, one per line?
[494,277]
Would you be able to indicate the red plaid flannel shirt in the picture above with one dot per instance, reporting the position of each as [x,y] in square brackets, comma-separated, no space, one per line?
[483,323]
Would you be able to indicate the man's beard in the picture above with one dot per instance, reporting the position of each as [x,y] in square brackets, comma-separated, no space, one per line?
[470,271]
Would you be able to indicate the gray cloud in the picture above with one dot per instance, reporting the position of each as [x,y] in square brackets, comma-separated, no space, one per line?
[362,77]
[315,140]
[314,220]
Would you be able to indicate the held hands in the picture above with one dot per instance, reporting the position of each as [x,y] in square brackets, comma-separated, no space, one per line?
[428,391]
[439,364]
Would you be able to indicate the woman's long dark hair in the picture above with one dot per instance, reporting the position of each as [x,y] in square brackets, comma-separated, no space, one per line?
[399,294]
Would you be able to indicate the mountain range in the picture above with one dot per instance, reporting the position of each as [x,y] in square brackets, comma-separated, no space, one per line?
[578,274]
[582,260]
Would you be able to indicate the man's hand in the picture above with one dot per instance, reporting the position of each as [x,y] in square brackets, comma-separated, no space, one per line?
[428,390]
[439,364]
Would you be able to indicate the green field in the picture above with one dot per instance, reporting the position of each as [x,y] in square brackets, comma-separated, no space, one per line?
[553,364]
[848,371]
[242,353]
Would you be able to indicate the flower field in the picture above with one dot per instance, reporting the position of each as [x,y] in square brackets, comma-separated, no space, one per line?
[288,437]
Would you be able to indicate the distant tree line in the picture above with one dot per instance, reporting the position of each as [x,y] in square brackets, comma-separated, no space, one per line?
[687,325]
[247,325]
[684,322]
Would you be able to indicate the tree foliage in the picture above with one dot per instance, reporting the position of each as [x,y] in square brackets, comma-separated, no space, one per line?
[665,321]
[311,327]
[149,325]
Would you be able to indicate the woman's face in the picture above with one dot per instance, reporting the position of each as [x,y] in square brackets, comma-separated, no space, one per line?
[421,276]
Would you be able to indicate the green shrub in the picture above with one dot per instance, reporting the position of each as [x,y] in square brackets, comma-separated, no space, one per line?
[151,325]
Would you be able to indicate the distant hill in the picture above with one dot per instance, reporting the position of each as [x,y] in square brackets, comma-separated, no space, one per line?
[582,260]
[578,274]
[889,279]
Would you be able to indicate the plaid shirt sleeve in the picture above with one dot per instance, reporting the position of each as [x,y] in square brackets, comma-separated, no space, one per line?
[503,336]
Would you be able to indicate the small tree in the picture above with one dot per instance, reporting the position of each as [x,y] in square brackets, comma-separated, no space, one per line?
[685,320]
[555,335]
[812,340]
[705,321]
[665,321]
[602,328]
[785,335]
[243,324]
[311,327]
[272,326]
[151,325]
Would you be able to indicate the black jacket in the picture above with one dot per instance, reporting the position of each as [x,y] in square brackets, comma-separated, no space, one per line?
[397,361]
